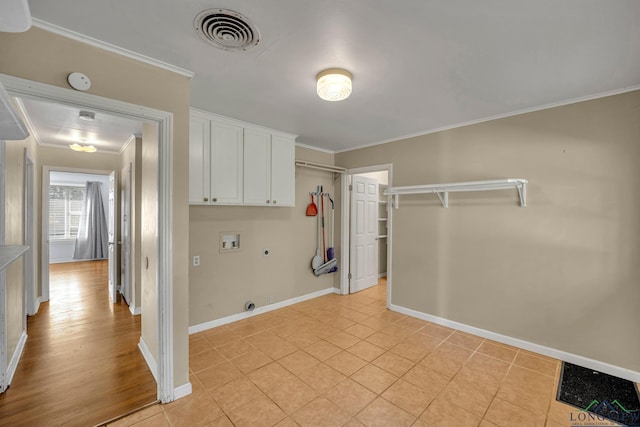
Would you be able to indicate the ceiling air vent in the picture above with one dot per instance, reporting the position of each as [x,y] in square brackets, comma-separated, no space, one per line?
[227,29]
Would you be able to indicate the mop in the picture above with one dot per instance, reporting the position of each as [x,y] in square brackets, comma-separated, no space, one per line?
[332,264]
[331,251]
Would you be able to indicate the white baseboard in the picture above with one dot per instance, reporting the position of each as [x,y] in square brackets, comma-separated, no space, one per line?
[135,310]
[526,345]
[15,358]
[182,391]
[381,275]
[148,357]
[260,310]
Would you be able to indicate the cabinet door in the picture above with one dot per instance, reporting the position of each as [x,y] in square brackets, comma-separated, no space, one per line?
[257,167]
[198,160]
[282,171]
[226,164]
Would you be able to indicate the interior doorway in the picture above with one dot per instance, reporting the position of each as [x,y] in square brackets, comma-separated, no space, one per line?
[161,323]
[366,228]
[64,192]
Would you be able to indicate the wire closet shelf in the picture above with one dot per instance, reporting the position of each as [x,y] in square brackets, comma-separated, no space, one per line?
[443,190]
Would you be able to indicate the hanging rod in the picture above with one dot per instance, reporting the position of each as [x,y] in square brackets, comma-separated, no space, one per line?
[443,190]
[320,166]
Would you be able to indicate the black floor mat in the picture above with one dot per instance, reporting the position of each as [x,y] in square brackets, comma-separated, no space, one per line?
[600,394]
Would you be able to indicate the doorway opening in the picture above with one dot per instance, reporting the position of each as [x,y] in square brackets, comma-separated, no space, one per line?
[366,229]
[160,329]
[78,202]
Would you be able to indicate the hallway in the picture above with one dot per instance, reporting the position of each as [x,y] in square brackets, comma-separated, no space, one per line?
[81,364]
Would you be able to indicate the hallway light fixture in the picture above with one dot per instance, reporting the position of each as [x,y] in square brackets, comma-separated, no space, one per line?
[83,148]
[334,84]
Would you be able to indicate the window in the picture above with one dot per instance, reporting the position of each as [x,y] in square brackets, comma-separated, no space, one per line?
[65,208]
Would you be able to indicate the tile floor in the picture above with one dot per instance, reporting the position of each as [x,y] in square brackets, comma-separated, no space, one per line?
[348,361]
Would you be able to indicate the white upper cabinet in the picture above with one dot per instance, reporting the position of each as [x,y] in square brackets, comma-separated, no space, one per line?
[283,171]
[257,167]
[199,149]
[269,169]
[226,164]
[236,163]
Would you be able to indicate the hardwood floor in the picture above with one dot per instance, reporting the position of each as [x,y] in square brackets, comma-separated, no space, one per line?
[81,364]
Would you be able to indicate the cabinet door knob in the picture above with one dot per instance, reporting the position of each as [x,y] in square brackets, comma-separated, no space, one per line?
[215,199]
[275,201]
[206,199]
[268,201]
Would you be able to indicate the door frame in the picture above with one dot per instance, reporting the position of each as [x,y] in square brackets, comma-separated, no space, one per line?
[19,87]
[125,212]
[345,221]
[44,203]
[31,305]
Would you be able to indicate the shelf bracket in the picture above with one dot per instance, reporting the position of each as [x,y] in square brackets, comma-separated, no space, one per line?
[444,198]
[522,192]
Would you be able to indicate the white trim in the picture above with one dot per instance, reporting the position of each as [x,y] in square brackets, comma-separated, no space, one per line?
[164,120]
[109,47]
[36,305]
[381,275]
[311,147]
[182,391]
[44,227]
[240,123]
[164,274]
[131,139]
[15,358]
[30,233]
[344,233]
[497,117]
[148,357]
[135,311]
[260,310]
[526,345]
[27,120]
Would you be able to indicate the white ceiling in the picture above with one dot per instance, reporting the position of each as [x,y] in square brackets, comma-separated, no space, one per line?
[417,65]
[59,125]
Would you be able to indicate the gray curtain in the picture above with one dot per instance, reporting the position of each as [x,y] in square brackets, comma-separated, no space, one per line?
[92,239]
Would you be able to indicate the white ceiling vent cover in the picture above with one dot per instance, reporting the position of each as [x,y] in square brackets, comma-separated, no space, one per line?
[227,29]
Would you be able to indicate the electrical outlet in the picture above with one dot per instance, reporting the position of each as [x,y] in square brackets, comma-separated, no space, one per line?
[196,260]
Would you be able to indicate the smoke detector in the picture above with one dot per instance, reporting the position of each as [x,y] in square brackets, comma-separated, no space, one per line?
[226,29]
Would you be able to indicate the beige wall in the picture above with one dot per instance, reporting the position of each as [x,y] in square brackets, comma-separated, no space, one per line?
[562,272]
[149,241]
[222,283]
[48,58]
[133,155]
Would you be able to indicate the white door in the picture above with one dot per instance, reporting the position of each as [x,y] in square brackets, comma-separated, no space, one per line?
[364,233]
[113,238]
[125,234]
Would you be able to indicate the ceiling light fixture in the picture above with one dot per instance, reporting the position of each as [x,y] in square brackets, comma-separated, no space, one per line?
[83,148]
[334,84]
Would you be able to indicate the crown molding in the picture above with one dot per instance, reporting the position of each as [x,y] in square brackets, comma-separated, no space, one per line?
[27,120]
[110,47]
[311,147]
[499,116]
